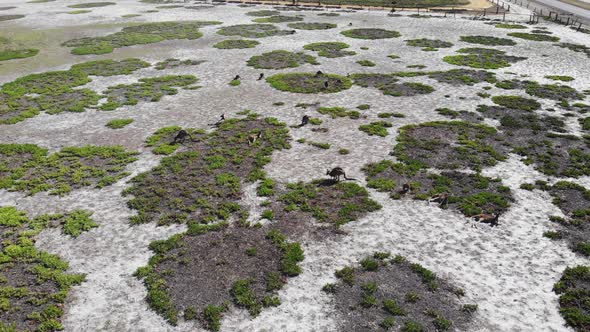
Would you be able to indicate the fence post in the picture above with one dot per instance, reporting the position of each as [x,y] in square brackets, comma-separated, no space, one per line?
[504,16]
[497,9]
[579,27]
[508,7]
[484,12]
[568,22]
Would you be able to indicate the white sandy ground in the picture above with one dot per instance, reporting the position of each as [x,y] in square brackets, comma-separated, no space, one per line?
[508,271]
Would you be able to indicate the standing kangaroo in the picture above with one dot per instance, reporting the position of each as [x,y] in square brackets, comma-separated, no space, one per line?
[336,173]
[181,137]
[261,76]
[253,138]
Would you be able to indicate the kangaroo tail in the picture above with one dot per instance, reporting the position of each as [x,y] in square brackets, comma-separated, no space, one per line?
[349,179]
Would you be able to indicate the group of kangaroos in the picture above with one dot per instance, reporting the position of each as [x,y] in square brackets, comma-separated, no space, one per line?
[319,74]
[337,173]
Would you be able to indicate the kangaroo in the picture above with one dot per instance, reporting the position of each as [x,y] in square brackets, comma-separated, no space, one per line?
[350,24]
[442,199]
[253,138]
[319,73]
[221,119]
[326,84]
[485,218]
[304,120]
[236,78]
[261,76]
[181,137]
[336,173]
[405,189]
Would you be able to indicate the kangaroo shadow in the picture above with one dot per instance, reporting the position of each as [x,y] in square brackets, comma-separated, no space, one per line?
[327,182]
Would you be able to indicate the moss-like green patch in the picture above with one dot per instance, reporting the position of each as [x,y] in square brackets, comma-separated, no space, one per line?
[510,26]
[574,293]
[449,145]
[429,44]
[549,91]
[309,82]
[35,282]
[378,128]
[262,13]
[387,84]
[81,11]
[17,53]
[517,102]
[330,49]
[92,4]
[281,59]
[236,44]
[330,14]
[278,19]
[173,63]
[119,123]
[366,63]
[463,76]
[560,78]
[488,40]
[110,67]
[28,168]
[334,203]
[370,33]
[150,89]
[253,30]
[312,26]
[392,292]
[130,15]
[339,112]
[137,35]
[217,162]
[10,17]
[482,58]
[534,36]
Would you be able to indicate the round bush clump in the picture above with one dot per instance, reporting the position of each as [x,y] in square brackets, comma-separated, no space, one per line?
[262,13]
[311,26]
[309,82]
[252,30]
[281,59]
[532,36]
[574,294]
[482,58]
[517,102]
[488,40]
[236,44]
[278,19]
[370,33]
[510,26]
[18,54]
[429,44]
[329,49]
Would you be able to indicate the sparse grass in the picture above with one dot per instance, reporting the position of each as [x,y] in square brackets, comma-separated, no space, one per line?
[429,44]
[92,4]
[280,59]
[366,63]
[534,37]
[510,26]
[252,30]
[482,58]
[488,40]
[330,49]
[368,33]
[339,112]
[560,78]
[517,102]
[236,44]
[573,291]
[278,19]
[378,128]
[18,54]
[309,82]
[311,26]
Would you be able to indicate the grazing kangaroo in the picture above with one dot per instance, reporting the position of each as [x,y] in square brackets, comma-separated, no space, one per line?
[405,189]
[336,173]
[319,73]
[442,199]
[261,76]
[236,78]
[181,137]
[326,84]
[253,138]
[485,218]
[304,120]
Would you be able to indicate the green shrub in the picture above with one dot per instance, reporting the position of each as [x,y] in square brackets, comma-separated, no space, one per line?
[119,123]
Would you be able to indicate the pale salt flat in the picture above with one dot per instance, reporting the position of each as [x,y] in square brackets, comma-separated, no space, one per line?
[508,271]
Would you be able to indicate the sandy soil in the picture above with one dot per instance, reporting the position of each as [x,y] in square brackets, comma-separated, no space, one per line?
[508,271]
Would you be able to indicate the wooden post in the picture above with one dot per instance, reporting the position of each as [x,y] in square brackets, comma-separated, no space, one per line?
[508,7]
[579,27]
[504,16]
[568,22]
[497,9]
[484,12]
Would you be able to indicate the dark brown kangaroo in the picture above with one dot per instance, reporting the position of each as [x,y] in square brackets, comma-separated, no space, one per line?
[304,120]
[181,137]
[405,189]
[236,78]
[261,76]
[253,138]
[442,199]
[336,173]
[485,218]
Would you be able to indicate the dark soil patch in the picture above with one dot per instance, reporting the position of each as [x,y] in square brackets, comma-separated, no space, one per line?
[471,194]
[429,44]
[253,31]
[482,58]
[394,294]
[450,145]
[28,168]
[278,19]
[281,59]
[370,33]
[574,293]
[35,282]
[137,35]
[330,49]
[236,44]
[312,26]
[309,82]
[150,89]
[110,67]
[488,40]
[173,63]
